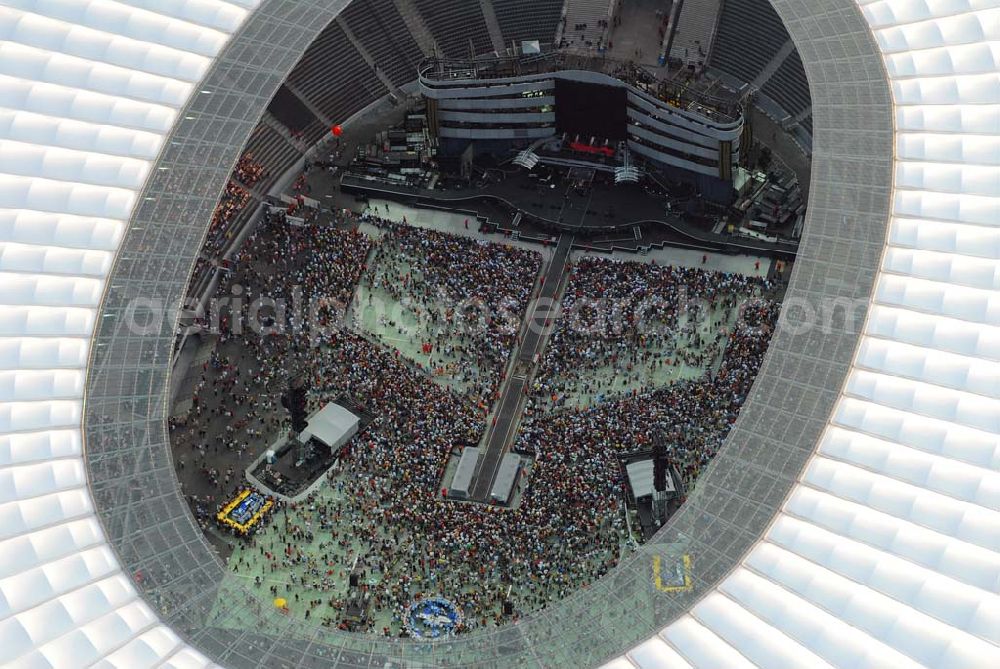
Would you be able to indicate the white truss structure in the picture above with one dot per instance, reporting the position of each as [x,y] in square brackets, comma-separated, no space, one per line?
[627,172]
[526,159]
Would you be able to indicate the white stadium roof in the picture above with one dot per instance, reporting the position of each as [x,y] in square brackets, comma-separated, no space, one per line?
[88,92]
[886,552]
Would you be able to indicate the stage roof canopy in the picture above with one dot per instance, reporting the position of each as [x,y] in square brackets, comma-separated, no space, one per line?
[640,478]
[333,425]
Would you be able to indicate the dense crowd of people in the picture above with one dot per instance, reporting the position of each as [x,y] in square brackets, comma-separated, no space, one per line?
[625,324]
[248,171]
[691,417]
[467,299]
[381,511]
[386,508]
[220,231]
[235,199]
[235,401]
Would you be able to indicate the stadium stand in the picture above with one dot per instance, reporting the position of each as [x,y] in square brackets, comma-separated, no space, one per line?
[456,24]
[695,27]
[290,112]
[749,43]
[749,35]
[417,26]
[337,91]
[492,25]
[379,26]
[271,154]
[584,22]
[535,22]
[788,86]
[807,123]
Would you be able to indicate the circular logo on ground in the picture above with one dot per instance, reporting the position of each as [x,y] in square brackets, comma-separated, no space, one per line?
[432,618]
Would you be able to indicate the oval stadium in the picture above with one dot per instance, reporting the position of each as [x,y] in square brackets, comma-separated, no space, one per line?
[404,334]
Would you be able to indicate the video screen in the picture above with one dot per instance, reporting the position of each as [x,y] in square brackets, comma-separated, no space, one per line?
[591,110]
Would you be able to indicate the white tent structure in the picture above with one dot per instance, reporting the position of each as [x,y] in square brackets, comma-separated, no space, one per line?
[885,554]
[641,476]
[461,482]
[333,425]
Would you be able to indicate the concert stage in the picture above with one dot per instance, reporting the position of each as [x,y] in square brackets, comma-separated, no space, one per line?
[292,468]
[599,207]
[601,210]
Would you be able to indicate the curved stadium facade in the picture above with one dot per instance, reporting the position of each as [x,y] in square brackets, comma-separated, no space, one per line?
[472,101]
[851,518]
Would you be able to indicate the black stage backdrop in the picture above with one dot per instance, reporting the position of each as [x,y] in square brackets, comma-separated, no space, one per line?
[591,110]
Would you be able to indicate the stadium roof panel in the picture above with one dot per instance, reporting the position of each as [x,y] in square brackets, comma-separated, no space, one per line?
[850,520]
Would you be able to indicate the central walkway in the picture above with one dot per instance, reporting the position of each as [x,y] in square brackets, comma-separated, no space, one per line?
[537,326]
